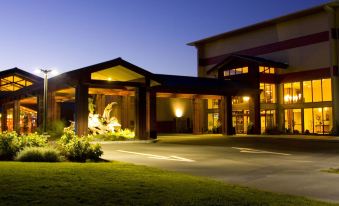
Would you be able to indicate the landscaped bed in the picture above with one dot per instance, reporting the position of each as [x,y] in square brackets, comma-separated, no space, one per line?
[122,184]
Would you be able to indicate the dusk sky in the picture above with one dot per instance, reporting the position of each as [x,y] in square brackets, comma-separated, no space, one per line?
[152,34]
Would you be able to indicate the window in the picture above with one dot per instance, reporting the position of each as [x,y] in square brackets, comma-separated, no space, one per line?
[240,70]
[267,93]
[292,93]
[266,70]
[307,93]
[327,89]
[13,83]
[318,120]
[240,99]
[213,122]
[293,121]
[267,118]
[317,90]
[212,104]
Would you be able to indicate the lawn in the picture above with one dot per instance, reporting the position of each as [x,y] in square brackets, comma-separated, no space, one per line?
[122,184]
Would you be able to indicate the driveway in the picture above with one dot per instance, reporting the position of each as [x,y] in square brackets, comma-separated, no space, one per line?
[283,165]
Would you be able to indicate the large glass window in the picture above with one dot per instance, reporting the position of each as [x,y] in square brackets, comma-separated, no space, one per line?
[317,90]
[267,94]
[318,120]
[327,90]
[292,93]
[213,122]
[307,91]
[267,118]
[293,120]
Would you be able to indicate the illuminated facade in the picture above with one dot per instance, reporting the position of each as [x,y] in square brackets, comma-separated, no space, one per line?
[292,60]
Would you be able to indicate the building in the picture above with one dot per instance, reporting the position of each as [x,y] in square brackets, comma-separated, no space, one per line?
[144,102]
[278,75]
[292,59]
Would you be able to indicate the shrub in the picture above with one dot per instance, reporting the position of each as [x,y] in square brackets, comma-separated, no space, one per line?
[39,154]
[33,140]
[55,129]
[273,131]
[10,144]
[78,149]
[122,134]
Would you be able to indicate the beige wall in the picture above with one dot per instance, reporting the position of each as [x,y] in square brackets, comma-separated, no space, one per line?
[166,108]
[301,58]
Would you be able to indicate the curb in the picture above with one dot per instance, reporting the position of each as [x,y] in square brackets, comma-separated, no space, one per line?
[128,142]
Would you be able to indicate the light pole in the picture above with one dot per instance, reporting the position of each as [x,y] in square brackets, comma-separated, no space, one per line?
[44,117]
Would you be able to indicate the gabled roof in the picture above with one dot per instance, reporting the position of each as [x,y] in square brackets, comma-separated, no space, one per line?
[72,77]
[104,65]
[266,23]
[21,73]
[247,59]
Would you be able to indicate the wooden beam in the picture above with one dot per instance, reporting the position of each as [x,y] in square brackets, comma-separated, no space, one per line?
[81,109]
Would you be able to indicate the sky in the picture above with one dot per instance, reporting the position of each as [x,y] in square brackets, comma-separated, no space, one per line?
[152,34]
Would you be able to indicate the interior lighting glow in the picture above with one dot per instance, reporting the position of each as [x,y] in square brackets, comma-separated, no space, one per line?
[246,99]
[178,112]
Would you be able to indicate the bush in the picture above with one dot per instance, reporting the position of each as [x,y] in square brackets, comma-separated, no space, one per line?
[33,140]
[122,134]
[39,154]
[11,143]
[55,129]
[78,149]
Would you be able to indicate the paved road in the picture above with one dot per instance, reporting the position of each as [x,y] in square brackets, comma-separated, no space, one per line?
[272,164]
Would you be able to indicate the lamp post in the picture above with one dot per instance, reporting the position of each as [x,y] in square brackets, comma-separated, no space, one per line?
[44,117]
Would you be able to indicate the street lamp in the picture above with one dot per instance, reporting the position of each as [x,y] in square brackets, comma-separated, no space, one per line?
[45,72]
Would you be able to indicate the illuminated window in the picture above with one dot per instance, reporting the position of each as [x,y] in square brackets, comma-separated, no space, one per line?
[13,83]
[293,120]
[307,91]
[317,90]
[212,104]
[292,93]
[213,122]
[267,118]
[327,90]
[240,99]
[318,120]
[267,94]
[239,70]
[266,70]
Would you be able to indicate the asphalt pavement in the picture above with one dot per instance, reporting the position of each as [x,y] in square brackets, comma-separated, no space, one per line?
[278,164]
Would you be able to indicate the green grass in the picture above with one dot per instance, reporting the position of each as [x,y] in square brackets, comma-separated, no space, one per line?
[122,184]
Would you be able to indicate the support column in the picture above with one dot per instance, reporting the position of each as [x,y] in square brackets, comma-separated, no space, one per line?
[197,116]
[40,100]
[140,113]
[81,109]
[334,65]
[4,118]
[254,107]
[226,115]
[16,116]
[152,114]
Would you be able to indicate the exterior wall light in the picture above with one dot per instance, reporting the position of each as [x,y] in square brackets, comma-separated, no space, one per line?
[178,112]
